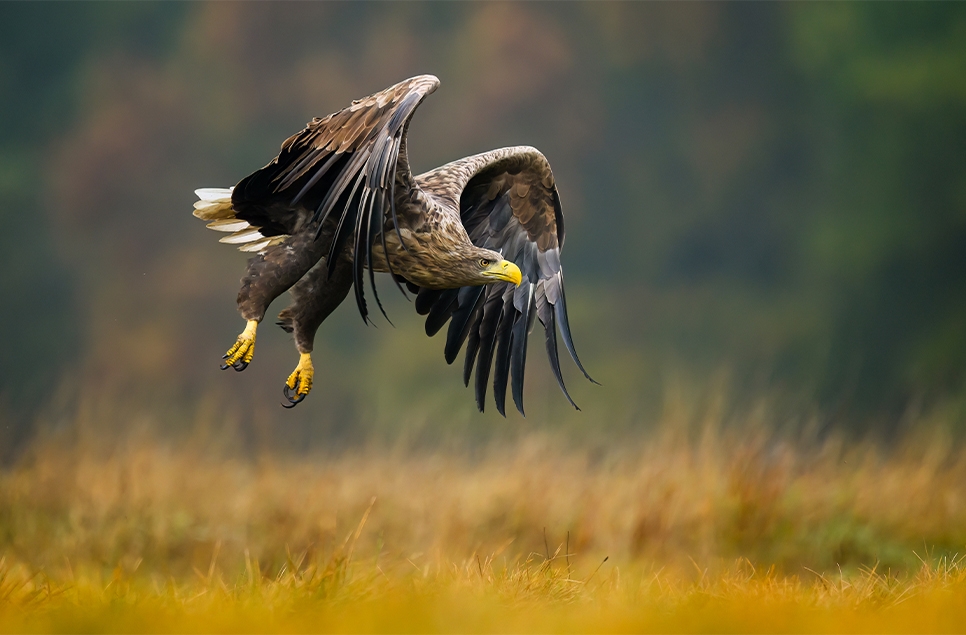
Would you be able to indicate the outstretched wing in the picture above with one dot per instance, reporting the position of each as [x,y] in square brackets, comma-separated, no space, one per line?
[346,167]
[508,203]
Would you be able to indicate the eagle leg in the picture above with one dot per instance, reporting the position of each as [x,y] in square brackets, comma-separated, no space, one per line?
[239,356]
[299,382]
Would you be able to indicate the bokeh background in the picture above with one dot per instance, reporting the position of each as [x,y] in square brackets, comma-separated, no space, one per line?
[766,208]
[766,271]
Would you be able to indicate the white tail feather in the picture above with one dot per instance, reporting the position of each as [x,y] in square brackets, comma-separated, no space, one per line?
[244,236]
[228,225]
[214,205]
[214,194]
[256,246]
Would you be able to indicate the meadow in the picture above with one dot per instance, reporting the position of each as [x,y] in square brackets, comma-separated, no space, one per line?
[702,527]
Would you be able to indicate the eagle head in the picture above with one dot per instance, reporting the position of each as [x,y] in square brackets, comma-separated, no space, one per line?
[483,266]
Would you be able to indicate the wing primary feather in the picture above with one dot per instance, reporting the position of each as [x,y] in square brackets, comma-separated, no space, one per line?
[425,300]
[518,353]
[501,367]
[560,309]
[382,158]
[361,229]
[370,237]
[302,162]
[472,346]
[315,178]
[550,328]
[297,171]
[350,173]
[488,325]
[403,110]
[470,300]
[340,235]
[558,218]
[364,226]
[393,155]
[441,311]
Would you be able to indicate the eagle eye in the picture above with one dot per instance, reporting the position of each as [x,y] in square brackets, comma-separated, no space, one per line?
[484,262]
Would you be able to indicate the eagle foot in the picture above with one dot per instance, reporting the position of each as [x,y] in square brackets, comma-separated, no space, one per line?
[239,356]
[299,383]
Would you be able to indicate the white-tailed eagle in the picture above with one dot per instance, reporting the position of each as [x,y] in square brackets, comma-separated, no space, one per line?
[477,240]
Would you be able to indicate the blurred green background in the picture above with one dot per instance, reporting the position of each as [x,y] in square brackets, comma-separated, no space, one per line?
[766,203]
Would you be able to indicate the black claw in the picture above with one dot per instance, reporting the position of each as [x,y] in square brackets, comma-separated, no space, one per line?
[225,356]
[224,366]
[288,395]
[288,392]
[240,366]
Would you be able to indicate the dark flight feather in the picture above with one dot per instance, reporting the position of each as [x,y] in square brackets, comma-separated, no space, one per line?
[425,299]
[441,311]
[518,354]
[560,312]
[472,347]
[486,337]
[469,303]
[545,314]
[501,365]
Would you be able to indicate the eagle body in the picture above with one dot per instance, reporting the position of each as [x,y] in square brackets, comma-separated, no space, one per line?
[477,240]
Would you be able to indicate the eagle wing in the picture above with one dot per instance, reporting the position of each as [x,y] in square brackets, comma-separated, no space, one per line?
[345,166]
[508,203]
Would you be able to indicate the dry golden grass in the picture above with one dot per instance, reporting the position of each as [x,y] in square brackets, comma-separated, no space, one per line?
[725,531]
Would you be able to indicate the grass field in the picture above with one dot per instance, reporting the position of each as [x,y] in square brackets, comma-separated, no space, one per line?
[718,530]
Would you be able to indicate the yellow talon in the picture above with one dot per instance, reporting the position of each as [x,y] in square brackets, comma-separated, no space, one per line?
[240,355]
[300,381]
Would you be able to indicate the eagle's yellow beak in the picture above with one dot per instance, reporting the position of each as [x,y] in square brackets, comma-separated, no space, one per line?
[505,271]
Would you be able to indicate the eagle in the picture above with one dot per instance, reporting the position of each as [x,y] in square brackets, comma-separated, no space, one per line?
[477,241]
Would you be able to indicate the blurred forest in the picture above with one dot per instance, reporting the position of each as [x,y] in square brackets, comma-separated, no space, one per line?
[766,203]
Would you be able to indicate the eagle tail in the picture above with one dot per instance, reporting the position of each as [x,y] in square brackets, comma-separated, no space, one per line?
[214,205]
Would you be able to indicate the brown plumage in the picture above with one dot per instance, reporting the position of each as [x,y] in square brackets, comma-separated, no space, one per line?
[477,240]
